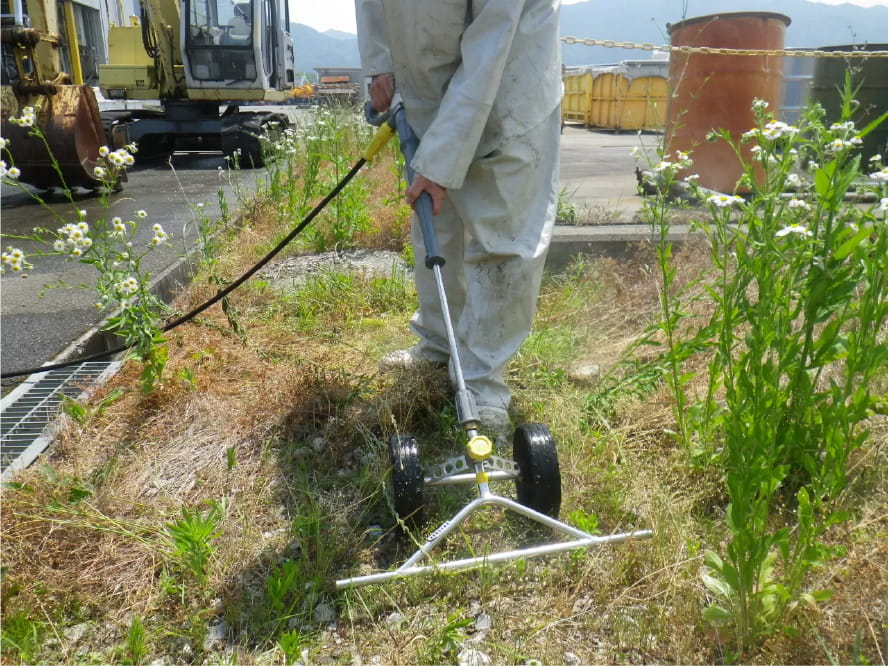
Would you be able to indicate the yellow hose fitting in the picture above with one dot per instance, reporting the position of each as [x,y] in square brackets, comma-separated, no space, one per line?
[479,448]
[382,137]
[481,477]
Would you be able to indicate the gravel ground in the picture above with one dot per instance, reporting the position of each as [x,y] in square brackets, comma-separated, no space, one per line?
[295,271]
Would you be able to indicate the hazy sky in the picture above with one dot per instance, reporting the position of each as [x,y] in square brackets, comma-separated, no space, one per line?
[340,14]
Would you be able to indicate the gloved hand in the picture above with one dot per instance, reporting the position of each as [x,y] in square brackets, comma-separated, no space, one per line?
[382,90]
[422,184]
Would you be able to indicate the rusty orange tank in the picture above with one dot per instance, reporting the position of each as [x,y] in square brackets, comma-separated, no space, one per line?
[709,91]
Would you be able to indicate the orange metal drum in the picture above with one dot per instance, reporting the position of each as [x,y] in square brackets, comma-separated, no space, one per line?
[709,91]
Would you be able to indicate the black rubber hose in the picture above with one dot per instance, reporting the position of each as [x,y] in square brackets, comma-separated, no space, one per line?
[220,295]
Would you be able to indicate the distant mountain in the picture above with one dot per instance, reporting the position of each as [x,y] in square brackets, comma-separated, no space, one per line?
[813,25]
[338,34]
[329,49]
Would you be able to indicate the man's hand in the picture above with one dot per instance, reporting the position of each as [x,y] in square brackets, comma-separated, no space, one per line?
[422,184]
[382,89]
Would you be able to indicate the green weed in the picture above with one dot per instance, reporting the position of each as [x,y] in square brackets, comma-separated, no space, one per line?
[190,539]
[21,636]
[136,648]
[445,643]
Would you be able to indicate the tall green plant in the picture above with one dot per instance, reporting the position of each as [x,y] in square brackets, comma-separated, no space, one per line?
[109,244]
[801,302]
[663,177]
[327,145]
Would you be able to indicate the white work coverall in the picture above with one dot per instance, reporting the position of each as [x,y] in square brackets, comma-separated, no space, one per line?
[481,85]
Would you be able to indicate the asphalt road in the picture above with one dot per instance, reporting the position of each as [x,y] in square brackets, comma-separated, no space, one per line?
[37,323]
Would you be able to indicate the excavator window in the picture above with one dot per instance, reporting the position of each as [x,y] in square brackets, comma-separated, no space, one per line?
[220,40]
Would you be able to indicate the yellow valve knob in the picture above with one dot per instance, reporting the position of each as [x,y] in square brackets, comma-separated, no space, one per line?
[382,136]
[479,448]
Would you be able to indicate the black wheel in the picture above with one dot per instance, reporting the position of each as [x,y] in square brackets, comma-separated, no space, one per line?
[539,477]
[407,478]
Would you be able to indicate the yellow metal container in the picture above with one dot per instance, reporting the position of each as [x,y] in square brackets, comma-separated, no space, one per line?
[137,81]
[644,106]
[575,103]
[629,96]
[608,92]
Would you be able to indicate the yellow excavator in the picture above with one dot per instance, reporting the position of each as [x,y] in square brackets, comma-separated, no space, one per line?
[200,59]
[186,65]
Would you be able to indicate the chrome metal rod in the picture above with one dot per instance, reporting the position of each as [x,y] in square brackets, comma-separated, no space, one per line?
[471,562]
[469,479]
[455,366]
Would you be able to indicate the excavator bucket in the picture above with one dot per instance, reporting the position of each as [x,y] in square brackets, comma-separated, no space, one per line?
[69,118]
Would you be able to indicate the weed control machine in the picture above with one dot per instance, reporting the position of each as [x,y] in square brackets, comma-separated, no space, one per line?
[535,467]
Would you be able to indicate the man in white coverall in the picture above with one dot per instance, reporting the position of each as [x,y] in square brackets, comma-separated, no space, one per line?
[481,86]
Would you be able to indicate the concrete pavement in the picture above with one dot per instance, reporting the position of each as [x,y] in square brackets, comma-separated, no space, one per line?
[598,175]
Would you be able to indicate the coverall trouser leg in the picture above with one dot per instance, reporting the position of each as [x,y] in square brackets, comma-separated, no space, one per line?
[494,234]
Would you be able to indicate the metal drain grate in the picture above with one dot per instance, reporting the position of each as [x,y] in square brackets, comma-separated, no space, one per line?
[28,414]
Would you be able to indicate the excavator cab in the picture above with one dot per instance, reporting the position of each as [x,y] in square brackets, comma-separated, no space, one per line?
[195,56]
[237,45]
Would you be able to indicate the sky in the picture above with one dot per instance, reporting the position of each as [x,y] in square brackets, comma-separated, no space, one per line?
[323,15]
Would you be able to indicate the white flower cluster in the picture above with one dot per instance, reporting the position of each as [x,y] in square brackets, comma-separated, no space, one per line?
[120,158]
[837,145]
[119,226]
[795,180]
[14,258]
[73,238]
[759,104]
[27,119]
[724,200]
[845,137]
[160,236]
[794,228]
[666,166]
[12,173]
[881,175]
[773,130]
[128,287]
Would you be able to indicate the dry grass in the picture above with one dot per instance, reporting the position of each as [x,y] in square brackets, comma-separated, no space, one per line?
[304,414]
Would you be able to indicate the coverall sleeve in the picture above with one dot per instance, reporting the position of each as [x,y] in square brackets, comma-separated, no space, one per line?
[372,37]
[449,145]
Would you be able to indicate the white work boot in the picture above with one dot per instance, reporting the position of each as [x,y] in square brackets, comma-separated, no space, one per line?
[496,424]
[409,359]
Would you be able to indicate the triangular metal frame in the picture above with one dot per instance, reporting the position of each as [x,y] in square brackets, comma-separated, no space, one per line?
[411,566]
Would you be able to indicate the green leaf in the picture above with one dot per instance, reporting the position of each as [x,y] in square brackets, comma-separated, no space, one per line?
[817,596]
[717,615]
[805,510]
[848,246]
[823,179]
[718,587]
[873,125]
[712,560]
[78,493]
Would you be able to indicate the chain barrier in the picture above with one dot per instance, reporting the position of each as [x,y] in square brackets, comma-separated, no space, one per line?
[715,50]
